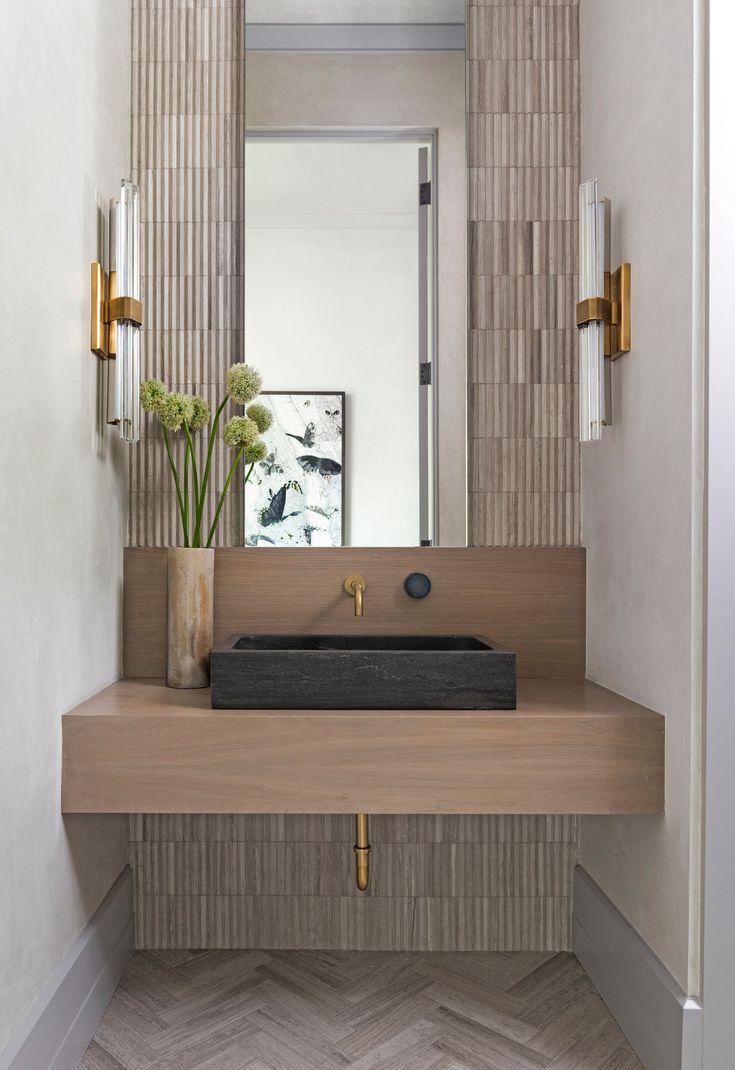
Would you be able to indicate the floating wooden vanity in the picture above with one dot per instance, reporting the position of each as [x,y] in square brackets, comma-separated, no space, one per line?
[570,747]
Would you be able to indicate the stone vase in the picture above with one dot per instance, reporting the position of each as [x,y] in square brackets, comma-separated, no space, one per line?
[190,616]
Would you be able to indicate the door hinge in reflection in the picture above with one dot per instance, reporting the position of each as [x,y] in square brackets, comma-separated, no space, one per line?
[425,373]
[424,193]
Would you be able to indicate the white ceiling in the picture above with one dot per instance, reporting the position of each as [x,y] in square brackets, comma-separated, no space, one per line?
[355,11]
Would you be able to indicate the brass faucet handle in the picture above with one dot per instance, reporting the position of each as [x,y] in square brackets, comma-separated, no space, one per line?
[355,586]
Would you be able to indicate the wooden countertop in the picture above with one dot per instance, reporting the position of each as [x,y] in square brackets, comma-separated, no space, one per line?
[570,747]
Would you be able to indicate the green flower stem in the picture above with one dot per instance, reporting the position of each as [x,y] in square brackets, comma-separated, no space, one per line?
[177,484]
[195,482]
[223,495]
[205,475]
[186,492]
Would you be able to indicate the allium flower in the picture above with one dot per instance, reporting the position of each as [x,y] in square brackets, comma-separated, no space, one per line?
[240,432]
[256,452]
[174,410]
[201,412]
[243,383]
[152,393]
[192,412]
[262,416]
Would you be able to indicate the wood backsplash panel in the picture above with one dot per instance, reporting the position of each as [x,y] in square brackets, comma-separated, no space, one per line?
[530,600]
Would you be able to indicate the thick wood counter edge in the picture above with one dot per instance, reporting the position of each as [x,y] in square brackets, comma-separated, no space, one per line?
[570,747]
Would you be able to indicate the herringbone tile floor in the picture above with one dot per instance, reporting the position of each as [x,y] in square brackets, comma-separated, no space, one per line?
[329,1010]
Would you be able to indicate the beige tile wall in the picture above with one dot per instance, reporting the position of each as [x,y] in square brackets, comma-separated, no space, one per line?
[523,159]
[438,882]
[187,152]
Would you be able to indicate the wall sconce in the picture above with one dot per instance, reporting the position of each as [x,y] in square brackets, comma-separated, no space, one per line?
[603,312]
[117,313]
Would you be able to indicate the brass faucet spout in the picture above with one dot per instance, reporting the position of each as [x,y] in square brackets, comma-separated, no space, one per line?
[355,587]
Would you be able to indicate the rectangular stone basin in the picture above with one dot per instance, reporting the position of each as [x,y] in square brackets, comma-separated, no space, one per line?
[348,672]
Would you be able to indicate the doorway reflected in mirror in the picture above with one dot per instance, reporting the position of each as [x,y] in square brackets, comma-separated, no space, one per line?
[339,279]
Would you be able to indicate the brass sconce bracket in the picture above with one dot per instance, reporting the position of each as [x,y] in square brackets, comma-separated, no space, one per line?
[107,310]
[613,310]
[125,308]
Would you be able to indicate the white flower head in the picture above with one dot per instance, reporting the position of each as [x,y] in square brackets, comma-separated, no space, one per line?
[243,383]
[262,416]
[152,393]
[175,410]
[240,432]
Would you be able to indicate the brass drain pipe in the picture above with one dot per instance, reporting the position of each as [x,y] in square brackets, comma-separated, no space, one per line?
[362,851]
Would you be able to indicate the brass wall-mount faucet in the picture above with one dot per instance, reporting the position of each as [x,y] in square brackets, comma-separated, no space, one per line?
[355,586]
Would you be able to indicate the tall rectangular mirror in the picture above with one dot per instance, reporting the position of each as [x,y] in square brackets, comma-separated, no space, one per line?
[355,270]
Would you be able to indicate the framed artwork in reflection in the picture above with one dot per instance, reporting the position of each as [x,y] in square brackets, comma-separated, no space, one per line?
[295,496]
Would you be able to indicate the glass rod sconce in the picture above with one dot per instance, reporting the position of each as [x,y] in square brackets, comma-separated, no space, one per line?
[117,313]
[603,312]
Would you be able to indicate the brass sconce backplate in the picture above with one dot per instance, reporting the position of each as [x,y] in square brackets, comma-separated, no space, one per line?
[620,301]
[613,310]
[98,333]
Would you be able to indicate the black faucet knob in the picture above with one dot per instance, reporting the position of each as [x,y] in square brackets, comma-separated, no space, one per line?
[417,585]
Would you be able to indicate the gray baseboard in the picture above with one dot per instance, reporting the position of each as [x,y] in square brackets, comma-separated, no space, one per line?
[660,1021]
[65,1016]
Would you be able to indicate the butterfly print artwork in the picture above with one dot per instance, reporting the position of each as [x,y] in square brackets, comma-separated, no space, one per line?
[308,438]
[273,512]
[325,466]
[297,498]
[270,465]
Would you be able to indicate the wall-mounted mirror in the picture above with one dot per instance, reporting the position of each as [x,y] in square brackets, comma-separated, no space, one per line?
[355,270]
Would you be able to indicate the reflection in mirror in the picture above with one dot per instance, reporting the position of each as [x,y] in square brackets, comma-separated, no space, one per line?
[336,259]
[355,282]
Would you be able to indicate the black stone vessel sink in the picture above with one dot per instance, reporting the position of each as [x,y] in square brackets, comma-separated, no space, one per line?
[372,672]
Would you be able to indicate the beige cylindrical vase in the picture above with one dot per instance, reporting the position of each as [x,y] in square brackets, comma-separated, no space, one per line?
[190,616]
